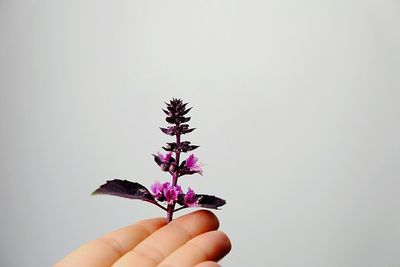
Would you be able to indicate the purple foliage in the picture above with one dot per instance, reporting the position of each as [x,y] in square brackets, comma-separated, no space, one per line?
[169,193]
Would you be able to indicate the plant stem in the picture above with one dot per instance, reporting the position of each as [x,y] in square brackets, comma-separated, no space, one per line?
[175,175]
[177,154]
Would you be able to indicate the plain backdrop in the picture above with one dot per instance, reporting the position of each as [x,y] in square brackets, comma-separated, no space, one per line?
[296,105]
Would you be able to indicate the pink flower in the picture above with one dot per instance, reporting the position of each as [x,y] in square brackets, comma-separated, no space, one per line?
[190,198]
[157,190]
[164,158]
[165,185]
[192,165]
[171,193]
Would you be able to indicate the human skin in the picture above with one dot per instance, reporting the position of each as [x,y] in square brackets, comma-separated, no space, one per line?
[190,240]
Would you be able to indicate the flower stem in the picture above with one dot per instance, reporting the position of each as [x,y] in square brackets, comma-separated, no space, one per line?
[175,174]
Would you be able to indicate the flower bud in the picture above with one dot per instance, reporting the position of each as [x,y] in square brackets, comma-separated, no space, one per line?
[172,168]
[164,167]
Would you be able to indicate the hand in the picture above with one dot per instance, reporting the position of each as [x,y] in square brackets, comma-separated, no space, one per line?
[190,240]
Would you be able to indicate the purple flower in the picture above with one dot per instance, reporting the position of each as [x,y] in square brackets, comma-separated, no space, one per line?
[165,185]
[164,158]
[171,193]
[192,165]
[157,190]
[190,198]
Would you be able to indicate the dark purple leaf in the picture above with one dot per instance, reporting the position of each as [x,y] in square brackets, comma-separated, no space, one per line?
[185,143]
[189,130]
[184,129]
[126,189]
[185,111]
[180,199]
[170,146]
[165,130]
[184,146]
[170,120]
[182,166]
[169,130]
[190,148]
[157,159]
[210,202]
[193,148]
[184,119]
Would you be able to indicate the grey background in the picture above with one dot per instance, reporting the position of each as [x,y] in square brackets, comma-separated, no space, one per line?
[296,106]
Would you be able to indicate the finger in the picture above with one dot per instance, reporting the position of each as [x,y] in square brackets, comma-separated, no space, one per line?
[163,242]
[208,264]
[110,247]
[211,246]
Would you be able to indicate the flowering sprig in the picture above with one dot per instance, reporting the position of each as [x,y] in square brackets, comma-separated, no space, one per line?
[166,195]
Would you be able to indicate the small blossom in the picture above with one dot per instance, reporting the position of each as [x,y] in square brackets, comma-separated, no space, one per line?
[190,198]
[164,158]
[171,193]
[192,165]
[165,185]
[157,190]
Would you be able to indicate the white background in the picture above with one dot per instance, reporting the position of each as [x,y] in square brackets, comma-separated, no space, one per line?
[296,105]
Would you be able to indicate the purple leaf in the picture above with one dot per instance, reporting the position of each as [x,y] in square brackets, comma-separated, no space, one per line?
[126,189]
[168,131]
[185,146]
[210,202]
[190,148]
[185,111]
[183,106]
[184,119]
[157,159]
[170,120]
[169,147]
[184,129]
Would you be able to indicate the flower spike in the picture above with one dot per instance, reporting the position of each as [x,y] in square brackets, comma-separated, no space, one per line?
[169,194]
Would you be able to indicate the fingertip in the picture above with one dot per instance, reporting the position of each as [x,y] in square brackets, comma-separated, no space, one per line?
[205,248]
[203,216]
[221,242]
[209,217]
